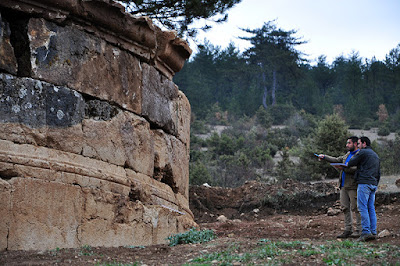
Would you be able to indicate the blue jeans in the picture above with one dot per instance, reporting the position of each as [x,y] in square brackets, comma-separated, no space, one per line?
[366,207]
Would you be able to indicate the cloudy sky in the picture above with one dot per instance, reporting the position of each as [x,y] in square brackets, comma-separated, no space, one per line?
[331,27]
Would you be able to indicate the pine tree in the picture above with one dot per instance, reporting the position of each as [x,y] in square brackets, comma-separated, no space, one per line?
[179,15]
[273,51]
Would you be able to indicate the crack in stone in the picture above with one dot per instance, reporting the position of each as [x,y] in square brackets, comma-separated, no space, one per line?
[19,40]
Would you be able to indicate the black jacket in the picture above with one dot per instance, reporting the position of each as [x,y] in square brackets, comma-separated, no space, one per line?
[368,166]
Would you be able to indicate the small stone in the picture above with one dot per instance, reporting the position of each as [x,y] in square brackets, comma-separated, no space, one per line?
[222,219]
[384,233]
[332,212]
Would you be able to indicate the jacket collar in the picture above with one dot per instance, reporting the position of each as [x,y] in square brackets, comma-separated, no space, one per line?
[354,152]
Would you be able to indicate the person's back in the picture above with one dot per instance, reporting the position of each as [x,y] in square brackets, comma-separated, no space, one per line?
[367,177]
[368,166]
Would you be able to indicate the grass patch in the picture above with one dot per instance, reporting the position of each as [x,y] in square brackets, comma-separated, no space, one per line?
[226,257]
[135,247]
[269,252]
[86,250]
[55,252]
[191,236]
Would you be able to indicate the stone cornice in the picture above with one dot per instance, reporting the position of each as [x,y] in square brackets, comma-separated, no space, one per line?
[107,19]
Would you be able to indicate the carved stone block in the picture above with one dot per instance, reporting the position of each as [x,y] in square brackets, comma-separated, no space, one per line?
[157,95]
[73,58]
[124,140]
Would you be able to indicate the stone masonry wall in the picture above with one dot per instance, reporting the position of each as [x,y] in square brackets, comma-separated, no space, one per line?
[94,134]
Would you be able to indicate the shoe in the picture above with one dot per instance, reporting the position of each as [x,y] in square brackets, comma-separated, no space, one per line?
[345,234]
[365,237]
[355,234]
[374,236]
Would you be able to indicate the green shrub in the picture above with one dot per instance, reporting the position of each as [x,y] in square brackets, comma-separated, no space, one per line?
[370,124]
[199,174]
[199,127]
[197,142]
[285,168]
[280,113]
[263,117]
[279,139]
[86,250]
[216,115]
[329,138]
[383,131]
[389,152]
[394,122]
[301,124]
[191,236]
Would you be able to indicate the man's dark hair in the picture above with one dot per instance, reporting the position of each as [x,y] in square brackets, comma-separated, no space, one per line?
[365,140]
[353,138]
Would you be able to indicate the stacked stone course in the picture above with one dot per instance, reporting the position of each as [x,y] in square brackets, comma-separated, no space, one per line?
[94,134]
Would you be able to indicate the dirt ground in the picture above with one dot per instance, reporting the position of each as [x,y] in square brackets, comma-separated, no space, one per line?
[286,212]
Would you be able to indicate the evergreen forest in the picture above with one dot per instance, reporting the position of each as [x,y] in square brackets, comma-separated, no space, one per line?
[268,100]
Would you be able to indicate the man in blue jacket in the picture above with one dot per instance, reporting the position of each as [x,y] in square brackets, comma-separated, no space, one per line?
[348,188]
[367,178]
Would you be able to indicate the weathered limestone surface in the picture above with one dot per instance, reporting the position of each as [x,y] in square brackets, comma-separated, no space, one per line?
[125,140]
[126,207]
[157,96]
[70,57]
[181,116]
[169,152]
[5,210]
[36,112]
[35,103]
[94,134]
[40,208]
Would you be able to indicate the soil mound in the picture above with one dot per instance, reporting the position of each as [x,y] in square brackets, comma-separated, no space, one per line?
[256,200]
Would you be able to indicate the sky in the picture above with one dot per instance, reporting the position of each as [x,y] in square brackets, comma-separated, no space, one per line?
[330,27]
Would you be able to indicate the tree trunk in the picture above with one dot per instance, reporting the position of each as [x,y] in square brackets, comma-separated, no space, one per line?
[273,87]
[264,100]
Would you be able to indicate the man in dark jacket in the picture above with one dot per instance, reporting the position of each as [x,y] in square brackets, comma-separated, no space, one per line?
[367,177]
[348,189]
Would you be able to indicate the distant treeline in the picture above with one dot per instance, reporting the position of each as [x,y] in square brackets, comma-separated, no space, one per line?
[273,74]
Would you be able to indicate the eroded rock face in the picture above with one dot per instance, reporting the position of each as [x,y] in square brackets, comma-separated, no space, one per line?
[36,104]
[86,63]
[124,140]
[169,153]
[70,198]
[8,61]
[94,135]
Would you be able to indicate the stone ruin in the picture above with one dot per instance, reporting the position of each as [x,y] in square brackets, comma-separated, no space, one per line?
[94,134]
